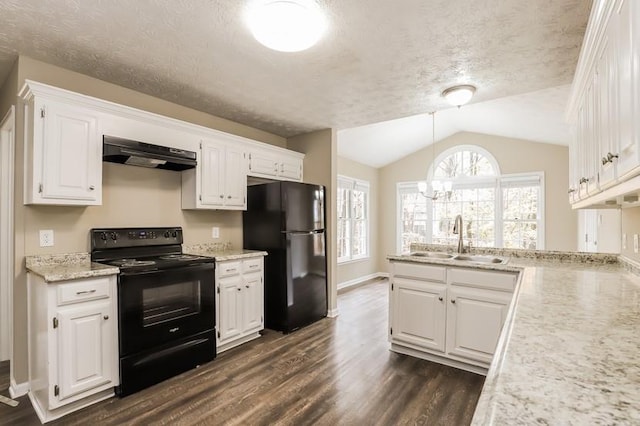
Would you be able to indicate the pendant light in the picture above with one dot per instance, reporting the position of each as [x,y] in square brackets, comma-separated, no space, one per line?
[286,25]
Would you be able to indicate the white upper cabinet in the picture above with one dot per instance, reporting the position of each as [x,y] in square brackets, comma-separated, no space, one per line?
[274,163]
[603,106]
[219,181]
[63,150]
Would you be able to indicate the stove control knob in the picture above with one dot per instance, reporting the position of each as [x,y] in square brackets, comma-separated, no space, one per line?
[167,234]
[103,236]
[114,236]
[174,234]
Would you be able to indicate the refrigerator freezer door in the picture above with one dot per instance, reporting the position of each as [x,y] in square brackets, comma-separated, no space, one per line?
[303,206]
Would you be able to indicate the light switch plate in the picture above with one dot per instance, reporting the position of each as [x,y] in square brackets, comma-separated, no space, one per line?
[215,232]
[46,238]
[635,243]
[624,241]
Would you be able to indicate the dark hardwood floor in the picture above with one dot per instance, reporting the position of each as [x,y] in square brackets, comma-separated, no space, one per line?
[335,372]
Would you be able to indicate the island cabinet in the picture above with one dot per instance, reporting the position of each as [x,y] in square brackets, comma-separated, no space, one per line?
[448,314]
[239,301]
[73,344]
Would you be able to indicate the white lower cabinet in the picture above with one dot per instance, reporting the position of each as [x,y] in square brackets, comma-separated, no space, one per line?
[239,301]
[73,344]
[449,315]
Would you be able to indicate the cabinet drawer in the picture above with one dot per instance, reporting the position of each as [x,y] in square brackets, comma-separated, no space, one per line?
[228,268]
[252,265]
[503,281]
[420,271]
[91,289]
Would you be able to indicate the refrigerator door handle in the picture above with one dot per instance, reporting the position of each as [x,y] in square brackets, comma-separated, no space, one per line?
[315,231]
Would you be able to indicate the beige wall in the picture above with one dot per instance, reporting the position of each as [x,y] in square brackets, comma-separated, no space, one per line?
[320,149]
[513,156]
[132,196]
[362,268]
[8,91]
[630,226]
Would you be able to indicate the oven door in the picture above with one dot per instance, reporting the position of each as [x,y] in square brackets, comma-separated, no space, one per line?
[156,307]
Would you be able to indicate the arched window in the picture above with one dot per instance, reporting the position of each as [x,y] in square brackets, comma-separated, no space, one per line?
[497,210]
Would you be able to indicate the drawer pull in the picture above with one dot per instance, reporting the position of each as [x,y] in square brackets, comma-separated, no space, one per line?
[85,292]
[106,317]
[253,266]
[231,270]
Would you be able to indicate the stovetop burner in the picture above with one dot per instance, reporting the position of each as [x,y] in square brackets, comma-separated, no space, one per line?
[179,257]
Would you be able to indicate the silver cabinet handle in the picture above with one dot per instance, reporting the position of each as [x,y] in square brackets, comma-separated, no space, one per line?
[92,187]
[583,180]
[246,286]
[85,292]
[106,317]
[611,156]
[440,298]
[605,160]
[221,196]
[453,301]
[229,196]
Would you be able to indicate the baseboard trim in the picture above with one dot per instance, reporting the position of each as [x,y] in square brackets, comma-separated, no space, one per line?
[362,280]
[18,390]
[332,313]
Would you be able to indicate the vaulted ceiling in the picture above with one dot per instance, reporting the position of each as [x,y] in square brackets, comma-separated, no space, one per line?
[379,60]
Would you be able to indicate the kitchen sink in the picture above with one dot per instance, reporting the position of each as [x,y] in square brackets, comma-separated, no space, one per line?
[432,254]
[480,259]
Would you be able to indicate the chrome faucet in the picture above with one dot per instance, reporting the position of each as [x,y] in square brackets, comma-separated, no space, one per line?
[457,229]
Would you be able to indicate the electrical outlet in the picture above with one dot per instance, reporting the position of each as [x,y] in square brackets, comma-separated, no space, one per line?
[624,241]
[46,238]
[635,243]
[215,232]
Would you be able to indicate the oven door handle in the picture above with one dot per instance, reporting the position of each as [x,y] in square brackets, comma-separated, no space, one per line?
[190,268]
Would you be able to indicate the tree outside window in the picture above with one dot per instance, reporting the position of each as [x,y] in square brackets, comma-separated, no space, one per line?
[497,210]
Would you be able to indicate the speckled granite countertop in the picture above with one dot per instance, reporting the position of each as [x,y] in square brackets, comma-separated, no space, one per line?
[222,252]
[569,351]
[63,267]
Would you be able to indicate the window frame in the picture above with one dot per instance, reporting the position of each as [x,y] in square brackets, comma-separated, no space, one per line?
[354,184]
[498,182]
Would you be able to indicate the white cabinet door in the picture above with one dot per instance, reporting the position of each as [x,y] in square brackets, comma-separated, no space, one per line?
[290,168]
[212,173]
[253,302]
[230,312]
[261,163]
[71,153]
[85,340]
[621,23]
[235,177]
[474,321]
[418,313]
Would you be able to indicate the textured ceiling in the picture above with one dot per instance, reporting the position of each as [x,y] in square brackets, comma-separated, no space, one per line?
[537,116]
[379,60]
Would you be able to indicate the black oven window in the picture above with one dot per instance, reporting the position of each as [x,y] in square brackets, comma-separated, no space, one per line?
[170,302]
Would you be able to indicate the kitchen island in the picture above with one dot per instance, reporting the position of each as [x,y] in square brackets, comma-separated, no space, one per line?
[568,352]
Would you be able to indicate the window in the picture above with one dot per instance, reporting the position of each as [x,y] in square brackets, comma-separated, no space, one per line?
[497,210]
[353,219]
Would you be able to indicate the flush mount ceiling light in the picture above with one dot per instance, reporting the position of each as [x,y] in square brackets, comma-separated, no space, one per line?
[459,95]
[286,25]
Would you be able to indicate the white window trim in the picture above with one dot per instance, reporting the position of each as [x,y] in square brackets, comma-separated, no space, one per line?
[363,185]
[497,181]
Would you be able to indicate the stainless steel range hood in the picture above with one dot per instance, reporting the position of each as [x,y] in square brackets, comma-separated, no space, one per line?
[134,153]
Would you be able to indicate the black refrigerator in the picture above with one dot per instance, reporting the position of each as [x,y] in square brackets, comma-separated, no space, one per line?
[287,220]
